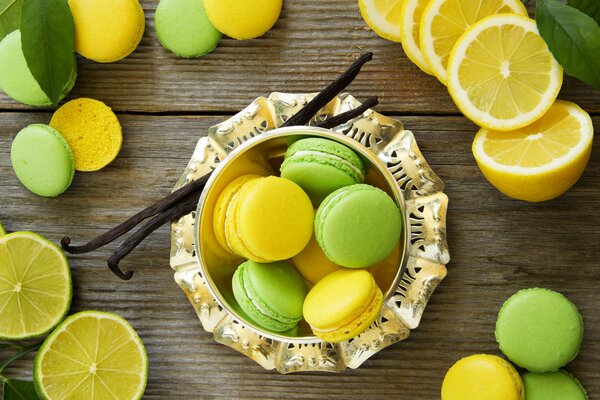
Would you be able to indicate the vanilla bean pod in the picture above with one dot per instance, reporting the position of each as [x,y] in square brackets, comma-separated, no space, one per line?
[303,116]
[344,117]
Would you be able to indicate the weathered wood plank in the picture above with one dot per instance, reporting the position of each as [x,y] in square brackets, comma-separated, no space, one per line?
[310,45]
[498,246]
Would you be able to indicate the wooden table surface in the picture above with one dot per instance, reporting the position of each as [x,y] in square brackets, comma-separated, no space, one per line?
[166,104]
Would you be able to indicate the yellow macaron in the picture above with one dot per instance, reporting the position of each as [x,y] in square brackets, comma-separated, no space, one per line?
[107,30]
[92,130]
[312,263]
[343,304]
[243,19]
[482,376]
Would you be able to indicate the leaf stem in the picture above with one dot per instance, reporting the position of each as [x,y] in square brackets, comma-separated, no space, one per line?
[24,351]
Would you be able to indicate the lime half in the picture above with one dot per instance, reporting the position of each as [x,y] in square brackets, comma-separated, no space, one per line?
[35,286]
[92,355]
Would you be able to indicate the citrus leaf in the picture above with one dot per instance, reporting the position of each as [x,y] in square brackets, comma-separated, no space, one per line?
[573,38]
[589,7]
[47,38]
[19,390]
[10,16]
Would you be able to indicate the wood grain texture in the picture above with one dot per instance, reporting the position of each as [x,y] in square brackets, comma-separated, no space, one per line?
[310,45]
[498,246]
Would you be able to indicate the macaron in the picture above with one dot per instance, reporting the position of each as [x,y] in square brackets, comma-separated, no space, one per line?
[343,305]
[183,28]
[107,30]
[16,79]
[358,226]
[243,19]
[92,130]
[321,166]
[42,160]
[263,219]
[480,377]
[312,263]
[270,294]
[559,385]
[539,330]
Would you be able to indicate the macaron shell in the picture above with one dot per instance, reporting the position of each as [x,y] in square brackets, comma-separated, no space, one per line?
[42,160]
[243,19]
[358,226]
[481,377]
[16,79]
[107,30]
[183,27]
[274,218]
[539,329]
[312,263]
[92,130]
[558,385]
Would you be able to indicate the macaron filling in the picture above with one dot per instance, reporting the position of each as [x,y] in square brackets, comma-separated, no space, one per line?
[327,158]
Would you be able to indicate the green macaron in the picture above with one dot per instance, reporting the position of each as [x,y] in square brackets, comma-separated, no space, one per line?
[539,330]
[321,166]
[357,226]
[15,78]
[183,27]
[272,295]
[42,160]
[558,385]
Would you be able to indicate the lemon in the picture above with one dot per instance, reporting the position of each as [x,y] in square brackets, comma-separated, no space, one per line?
[540,161]
[92,355]
[383,16]
[445,21]
[35,286]
[410,14]
[501,74]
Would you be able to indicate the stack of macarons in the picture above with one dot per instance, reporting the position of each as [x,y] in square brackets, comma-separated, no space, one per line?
[540,331]
[192,28]
[271,222]
[83,135]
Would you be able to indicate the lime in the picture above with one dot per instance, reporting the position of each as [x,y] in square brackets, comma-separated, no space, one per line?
[35,286]
[92,355]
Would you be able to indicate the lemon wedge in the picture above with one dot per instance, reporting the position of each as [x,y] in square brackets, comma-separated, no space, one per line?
[410,15]
[540,161]
[501,74]
[445,21]
[383,16]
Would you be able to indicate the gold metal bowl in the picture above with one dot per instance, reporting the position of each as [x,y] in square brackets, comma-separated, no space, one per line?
[250,143]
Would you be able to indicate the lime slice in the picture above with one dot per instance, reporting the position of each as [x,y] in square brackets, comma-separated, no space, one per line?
[92,355]
[35,286]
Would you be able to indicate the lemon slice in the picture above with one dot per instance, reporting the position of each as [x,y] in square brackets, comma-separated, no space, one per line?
[410,14]
[540,161]
[35,286]
[501,74]
[383,16]
[92,355]
[445,21]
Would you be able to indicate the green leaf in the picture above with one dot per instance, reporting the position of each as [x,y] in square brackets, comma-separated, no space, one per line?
[573,39]
[47,38]
[10,16]
[589,7]
[19,390]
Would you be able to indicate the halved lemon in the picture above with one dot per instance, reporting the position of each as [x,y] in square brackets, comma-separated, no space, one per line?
[383,16]
[540,161]
[501,74]
[35,286]
[92,355]
[410,14]
[445,21]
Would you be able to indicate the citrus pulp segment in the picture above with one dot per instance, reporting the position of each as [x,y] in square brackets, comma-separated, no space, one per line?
[92,355]
[35,286]
[445,21]
[540,161]
[383,16]
[411,14]
[501,74]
